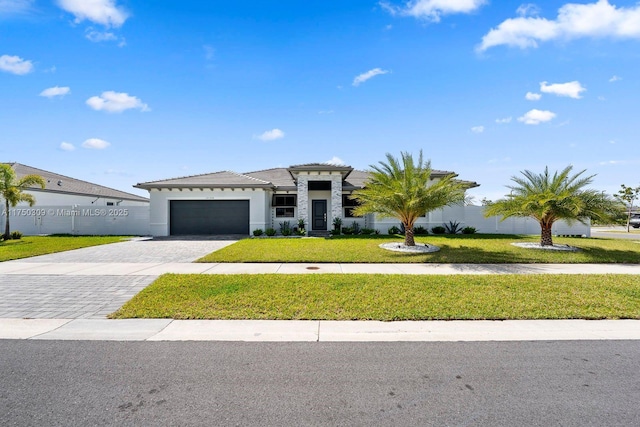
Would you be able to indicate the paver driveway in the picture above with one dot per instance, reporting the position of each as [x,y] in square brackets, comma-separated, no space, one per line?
[51,296]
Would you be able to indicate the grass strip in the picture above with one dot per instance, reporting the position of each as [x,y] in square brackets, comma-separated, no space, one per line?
[387,297]
[480,248]
[30,246]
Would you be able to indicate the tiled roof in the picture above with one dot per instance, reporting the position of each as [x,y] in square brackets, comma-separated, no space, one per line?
[221,179]
[63,184]
[276,178]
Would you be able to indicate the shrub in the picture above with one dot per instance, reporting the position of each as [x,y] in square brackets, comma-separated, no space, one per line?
[367,231]
[285,228]
[16,235]
[420,231]
[438,229]
[337,223]
[453,227]
[393,230]
[355,227]
[257,232]
[301,224]
[335,232]
[270,232]
[347,231]
[469,230]
[301,232]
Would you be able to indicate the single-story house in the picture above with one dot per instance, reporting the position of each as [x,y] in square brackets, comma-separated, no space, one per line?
[234,203]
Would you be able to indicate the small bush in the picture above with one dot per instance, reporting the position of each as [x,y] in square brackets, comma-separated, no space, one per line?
[285,228]
[301,232]
[16,235]
[257,232]
[347,231]
[335,232]
[438,229]
[420,231]
[270,232]
[337,223]
[393,230]
[453,227]
[355,228]
[469,230]
[367,231]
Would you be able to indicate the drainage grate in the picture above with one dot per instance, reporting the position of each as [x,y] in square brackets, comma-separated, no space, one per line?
[313,268]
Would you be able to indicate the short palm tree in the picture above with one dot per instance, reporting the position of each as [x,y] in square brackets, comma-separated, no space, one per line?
[11,190]
[404,190]
[548,198]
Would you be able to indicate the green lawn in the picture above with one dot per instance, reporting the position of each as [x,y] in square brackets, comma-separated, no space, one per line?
[478,248]
[40,245]
[387,297]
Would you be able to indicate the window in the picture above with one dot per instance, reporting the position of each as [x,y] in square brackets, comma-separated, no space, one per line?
[348,213]
[284,200]
[284,212]
[348,201]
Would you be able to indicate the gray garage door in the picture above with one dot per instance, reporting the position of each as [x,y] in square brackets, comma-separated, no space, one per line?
[201,217]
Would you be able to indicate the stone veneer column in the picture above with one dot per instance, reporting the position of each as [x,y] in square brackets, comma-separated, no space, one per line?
[336,198]
[303,200]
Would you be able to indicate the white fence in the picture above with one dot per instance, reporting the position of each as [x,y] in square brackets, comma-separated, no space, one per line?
[472,216]
[80,220]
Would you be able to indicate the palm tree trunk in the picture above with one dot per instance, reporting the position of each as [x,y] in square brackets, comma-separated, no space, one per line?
[6,222]
[408,235]
[545,236]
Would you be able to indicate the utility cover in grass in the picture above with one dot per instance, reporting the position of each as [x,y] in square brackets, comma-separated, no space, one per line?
[530,245]
[419,248]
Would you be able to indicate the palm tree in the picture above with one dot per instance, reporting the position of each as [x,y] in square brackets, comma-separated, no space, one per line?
[11,190]
[403,190]
[548,198]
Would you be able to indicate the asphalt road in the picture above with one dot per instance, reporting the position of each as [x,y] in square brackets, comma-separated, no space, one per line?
[53,383]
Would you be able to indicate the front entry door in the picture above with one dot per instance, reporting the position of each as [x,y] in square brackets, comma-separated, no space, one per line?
[319,214]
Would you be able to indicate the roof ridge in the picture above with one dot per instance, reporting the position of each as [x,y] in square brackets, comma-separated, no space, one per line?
[249,177]
[183,177]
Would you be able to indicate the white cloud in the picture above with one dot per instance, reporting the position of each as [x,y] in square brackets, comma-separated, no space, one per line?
[570,89]
[55,91]
[271,135]
[15,7]
[432,10]
[615,79]
[103,12]
[535,117]
[593,20]
[369,74]
[504,120]
[65,146]
[95,144]
[116,102]
[336,161]
[99,36]
[530,96]
[477,129]
[15,65]
[528,9]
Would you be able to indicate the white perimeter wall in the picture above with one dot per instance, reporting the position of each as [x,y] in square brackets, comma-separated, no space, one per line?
[472,216]
[259,203]
[78,219]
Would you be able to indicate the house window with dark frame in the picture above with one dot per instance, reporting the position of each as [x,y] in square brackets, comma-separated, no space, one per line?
[284,200]
[284,212]
[349,205]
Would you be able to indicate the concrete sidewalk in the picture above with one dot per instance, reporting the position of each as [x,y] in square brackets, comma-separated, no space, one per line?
[19,267]
[317,331]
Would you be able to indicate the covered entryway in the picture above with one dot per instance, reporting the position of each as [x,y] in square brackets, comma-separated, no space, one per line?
[201,217]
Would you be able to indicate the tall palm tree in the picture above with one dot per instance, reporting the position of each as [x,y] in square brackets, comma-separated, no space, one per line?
[548,198]
[11,190]
[404,190]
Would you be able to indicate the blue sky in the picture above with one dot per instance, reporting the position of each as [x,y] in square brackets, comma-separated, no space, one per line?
[118,92]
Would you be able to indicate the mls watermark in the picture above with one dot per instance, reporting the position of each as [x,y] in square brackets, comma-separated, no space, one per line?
[90,212]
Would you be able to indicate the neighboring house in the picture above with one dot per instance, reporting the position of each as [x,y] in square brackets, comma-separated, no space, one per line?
[72,206]
[63,190]
[232,203]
